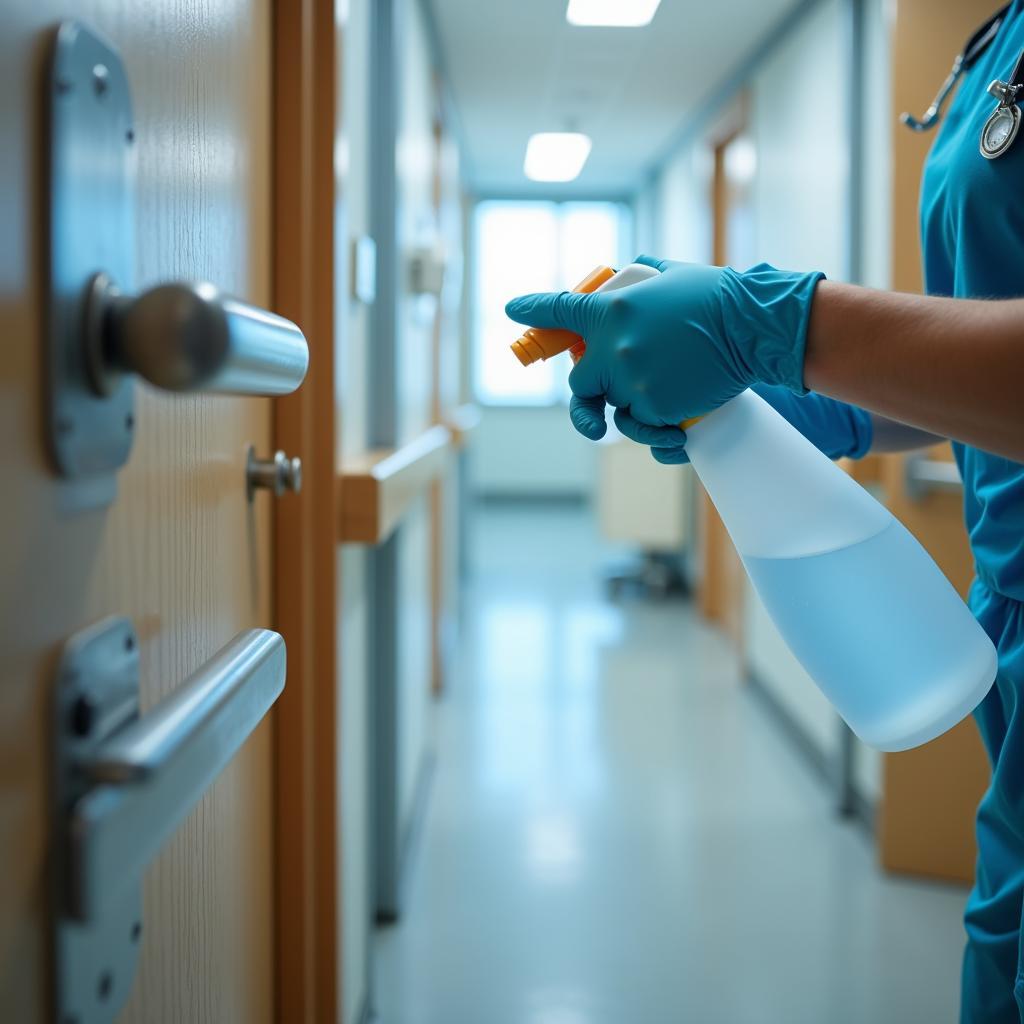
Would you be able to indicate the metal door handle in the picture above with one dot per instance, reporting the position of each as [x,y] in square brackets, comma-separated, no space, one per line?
[190,337]
[923,476]
[145,775]
[124,781]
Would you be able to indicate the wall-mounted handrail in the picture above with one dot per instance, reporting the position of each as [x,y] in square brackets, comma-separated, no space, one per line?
[376,489]
[923,476]
[462,421]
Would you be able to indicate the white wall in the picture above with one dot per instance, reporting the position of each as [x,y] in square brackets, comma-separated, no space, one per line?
[645,217]
[800,194]
[683,229]
[877,128]
[531,453]
[798,125]
[354,724]
[417,226]
[875,231]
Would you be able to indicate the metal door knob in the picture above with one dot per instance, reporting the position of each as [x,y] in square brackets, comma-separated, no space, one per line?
[278,474]
[186,336]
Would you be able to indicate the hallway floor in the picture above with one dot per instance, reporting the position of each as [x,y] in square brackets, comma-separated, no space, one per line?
[617,833]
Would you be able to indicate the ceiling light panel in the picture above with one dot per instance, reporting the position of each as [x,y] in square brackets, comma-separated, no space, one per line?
[611,13]
[556,156]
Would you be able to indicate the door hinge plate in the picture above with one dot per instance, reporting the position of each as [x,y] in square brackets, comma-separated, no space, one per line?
[91,229]
[95,947]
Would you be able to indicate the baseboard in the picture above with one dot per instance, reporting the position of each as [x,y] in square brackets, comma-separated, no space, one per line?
[855,804]
[863,809]
[409,837]
[366,1014]
[413,833]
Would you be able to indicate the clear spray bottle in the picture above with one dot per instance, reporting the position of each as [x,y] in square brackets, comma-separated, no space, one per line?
[859,602]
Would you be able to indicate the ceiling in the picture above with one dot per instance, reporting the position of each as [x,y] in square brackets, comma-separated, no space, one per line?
[517,67]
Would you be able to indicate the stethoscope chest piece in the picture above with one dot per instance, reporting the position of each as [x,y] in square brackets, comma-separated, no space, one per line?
[1003,124]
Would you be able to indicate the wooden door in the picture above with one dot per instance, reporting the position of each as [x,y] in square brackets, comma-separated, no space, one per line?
[929,795]
[181,550]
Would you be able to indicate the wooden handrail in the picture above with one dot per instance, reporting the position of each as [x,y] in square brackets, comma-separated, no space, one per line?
[376,489]
[461,421]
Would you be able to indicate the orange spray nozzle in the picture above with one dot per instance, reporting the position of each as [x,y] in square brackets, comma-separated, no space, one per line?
[545,342]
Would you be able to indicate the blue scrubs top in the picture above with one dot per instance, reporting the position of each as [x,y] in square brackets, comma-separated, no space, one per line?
[972,229]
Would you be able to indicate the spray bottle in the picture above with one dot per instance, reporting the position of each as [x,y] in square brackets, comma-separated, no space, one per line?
[859,602]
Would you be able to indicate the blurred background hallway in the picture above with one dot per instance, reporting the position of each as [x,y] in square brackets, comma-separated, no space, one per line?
[619,831]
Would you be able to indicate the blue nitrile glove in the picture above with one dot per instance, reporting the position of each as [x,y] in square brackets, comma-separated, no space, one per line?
[835,428]
[680,344]
[839,430]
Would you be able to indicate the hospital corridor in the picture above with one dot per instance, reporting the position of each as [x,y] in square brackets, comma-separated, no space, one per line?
[620,830]
[513,513]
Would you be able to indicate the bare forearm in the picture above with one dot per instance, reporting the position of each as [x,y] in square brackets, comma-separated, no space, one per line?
[950,367]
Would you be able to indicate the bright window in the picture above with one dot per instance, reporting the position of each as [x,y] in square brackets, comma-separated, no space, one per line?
[525,246]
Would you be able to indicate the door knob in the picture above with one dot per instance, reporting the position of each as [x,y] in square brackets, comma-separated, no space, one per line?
[190,337]
[278,474]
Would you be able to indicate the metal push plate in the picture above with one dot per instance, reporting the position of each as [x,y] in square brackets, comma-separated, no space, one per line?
[95,946]
[91,229]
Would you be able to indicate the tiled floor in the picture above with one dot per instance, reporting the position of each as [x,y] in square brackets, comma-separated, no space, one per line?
[617,834]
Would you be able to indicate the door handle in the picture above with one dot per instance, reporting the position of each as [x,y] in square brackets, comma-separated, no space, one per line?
[923,476]
[124,782]
[100,333]
[190,337]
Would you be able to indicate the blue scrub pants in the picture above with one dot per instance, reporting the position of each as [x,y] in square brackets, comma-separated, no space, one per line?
[993,971]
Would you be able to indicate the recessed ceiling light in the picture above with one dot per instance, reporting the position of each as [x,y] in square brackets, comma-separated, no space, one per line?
[611,13]
[556,156]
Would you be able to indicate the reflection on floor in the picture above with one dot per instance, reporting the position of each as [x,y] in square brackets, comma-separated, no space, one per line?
[617,834]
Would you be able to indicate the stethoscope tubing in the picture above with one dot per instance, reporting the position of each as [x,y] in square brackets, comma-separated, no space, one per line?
[978,43]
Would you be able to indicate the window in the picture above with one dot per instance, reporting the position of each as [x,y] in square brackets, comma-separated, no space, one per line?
[526,246]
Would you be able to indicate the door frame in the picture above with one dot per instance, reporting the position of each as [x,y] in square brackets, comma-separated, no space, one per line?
[308,927]
[721,580]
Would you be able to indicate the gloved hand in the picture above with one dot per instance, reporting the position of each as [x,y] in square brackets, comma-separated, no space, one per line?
[835,428]
[680,344]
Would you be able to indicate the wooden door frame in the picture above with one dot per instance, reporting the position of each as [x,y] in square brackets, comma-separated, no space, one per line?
[306,87]
[717,555]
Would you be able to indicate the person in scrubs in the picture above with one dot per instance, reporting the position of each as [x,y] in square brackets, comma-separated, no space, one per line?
[857,370]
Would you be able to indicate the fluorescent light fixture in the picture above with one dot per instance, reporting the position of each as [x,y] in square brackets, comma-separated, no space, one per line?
[556,156]
[611,13]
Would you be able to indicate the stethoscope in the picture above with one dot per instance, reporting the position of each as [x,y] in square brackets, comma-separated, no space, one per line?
[1001,128]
